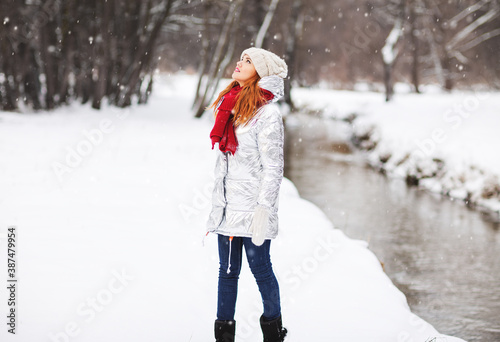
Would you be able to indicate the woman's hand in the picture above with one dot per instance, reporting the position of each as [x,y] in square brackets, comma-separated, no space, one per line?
[259,225]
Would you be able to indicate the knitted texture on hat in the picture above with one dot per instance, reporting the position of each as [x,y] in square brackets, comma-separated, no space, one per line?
[266,63]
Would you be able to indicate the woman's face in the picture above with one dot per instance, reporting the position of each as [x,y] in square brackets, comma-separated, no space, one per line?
[244,70]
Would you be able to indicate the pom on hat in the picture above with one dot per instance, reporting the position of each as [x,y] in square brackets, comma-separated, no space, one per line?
[266,63]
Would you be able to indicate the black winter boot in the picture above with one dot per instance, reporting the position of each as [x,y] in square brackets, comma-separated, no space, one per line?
[224,331]
[273,331]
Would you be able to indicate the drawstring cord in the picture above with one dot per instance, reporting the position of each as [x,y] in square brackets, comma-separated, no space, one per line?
[203,240]
[229,259]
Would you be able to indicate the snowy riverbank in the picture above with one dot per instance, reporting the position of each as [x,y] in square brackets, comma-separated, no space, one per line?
[446,143]
[110,208]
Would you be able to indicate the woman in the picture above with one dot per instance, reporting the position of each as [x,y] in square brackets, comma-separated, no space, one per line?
[248,175]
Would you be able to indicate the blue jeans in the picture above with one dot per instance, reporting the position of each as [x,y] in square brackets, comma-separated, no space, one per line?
[260,265]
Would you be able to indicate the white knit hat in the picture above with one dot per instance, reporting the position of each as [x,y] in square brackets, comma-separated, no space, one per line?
[266,63]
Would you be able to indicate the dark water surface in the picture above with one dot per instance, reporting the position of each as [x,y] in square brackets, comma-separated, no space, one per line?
[442,255]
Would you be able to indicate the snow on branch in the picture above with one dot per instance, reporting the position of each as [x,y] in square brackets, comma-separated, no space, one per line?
[389,51]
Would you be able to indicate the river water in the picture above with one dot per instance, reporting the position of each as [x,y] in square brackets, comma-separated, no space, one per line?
[443,256]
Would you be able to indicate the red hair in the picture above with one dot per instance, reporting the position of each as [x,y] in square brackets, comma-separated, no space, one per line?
[249,100]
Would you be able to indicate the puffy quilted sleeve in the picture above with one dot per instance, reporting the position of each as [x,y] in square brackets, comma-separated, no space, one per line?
[270,138]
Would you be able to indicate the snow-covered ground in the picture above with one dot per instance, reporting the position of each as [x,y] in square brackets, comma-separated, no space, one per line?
[110,209]
[447,142]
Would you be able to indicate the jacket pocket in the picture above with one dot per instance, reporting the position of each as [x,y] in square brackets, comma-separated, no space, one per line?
[242,194]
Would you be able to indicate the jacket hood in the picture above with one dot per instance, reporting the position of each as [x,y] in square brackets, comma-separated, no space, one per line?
[274,84]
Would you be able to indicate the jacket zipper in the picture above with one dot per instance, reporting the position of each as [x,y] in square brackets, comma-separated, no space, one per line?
[224,187]
[225,176]
[226,158]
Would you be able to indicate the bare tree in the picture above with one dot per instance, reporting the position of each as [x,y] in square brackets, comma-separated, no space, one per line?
[79,50]
[295,29]
[455,33]
[219,61]
[259,40]
[415,44]
[389,55]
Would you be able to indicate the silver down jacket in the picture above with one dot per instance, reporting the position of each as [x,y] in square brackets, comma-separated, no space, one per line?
[252,176]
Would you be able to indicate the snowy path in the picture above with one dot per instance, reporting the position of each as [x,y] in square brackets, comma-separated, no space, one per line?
[110,209]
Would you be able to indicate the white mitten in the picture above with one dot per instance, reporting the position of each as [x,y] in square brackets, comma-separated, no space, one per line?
[259,225]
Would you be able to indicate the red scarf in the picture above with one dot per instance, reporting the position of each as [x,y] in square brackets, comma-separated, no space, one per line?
[223,130]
